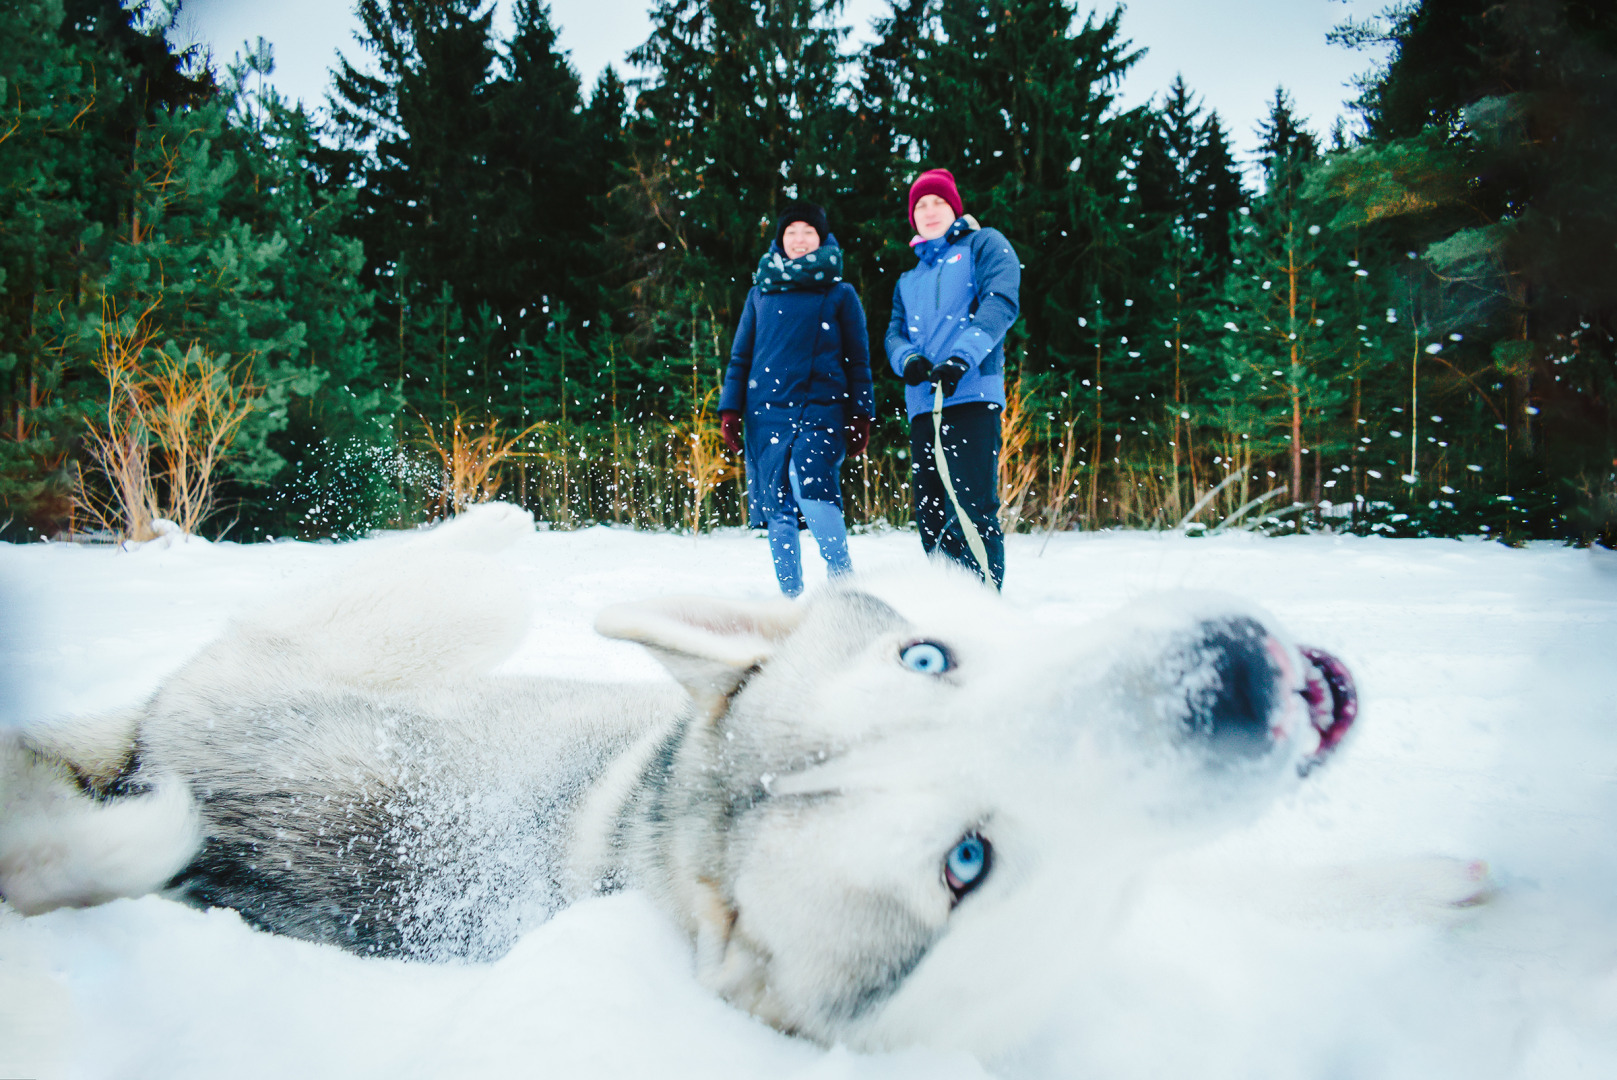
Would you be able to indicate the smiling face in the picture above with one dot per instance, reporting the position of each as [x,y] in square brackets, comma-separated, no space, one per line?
[799,239]
[906,812]
[933,216]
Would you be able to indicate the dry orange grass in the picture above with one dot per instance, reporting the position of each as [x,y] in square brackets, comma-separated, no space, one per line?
[470,457]
[1019,466]
[701,457]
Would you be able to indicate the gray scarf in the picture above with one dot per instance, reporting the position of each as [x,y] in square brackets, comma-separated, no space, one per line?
[815,272]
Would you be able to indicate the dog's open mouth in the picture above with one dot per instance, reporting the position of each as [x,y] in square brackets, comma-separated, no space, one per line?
[1333,704]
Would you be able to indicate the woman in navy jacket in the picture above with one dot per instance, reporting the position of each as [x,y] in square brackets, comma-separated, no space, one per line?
[950,316]
[798,385]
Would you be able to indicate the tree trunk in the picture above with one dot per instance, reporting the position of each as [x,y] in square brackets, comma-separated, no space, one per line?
[1293,271]
[1296,447]
[1094,461]
[1178,398]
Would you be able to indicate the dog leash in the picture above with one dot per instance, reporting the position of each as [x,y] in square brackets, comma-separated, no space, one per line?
[974,539]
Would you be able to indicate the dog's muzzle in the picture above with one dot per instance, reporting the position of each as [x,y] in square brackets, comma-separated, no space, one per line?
[1243,702]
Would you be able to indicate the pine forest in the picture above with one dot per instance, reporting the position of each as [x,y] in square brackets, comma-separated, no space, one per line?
[467,275]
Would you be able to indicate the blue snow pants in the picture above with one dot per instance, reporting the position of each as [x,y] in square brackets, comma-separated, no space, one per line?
[824,521]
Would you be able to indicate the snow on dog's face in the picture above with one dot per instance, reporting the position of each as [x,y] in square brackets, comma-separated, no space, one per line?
[906,812]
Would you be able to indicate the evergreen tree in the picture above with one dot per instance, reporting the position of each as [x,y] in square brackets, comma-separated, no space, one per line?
[741,106]
[1489,155]
[481,180]
[1017,100]
[161,199]
[1284,388]
[83,78]
[418,133]
[1189,189]
[230,250]
[871,213]
[45,195]
[548,165]
[1216,190]
[330,405]
[482,241]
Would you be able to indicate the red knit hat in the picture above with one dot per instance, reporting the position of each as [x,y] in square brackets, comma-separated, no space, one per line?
[939,182]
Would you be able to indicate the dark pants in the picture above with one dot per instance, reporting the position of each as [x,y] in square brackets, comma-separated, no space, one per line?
[971,448]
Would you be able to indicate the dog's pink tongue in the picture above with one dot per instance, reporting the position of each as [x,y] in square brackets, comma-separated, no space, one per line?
[1333,704]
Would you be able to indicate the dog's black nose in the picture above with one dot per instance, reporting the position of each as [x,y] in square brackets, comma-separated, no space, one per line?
[1233,687]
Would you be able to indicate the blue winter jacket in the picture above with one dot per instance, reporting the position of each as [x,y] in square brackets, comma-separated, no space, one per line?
[960,300]
[799,371]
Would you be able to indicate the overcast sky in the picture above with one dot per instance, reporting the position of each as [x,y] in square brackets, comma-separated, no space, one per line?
[1231,52]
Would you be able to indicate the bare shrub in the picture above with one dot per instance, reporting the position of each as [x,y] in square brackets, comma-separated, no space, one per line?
[119,440]
[167,424]
[194,406]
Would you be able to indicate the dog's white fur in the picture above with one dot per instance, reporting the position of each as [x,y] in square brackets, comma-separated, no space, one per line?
[342,768]
[58,848]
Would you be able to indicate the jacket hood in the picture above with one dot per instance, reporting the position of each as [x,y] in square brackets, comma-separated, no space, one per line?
[964,225]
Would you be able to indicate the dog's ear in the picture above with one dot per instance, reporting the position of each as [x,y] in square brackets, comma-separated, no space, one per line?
[710,646]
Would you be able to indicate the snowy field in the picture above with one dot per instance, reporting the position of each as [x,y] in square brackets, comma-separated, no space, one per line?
[1487,677]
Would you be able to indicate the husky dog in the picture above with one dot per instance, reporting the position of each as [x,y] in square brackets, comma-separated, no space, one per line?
[897,813]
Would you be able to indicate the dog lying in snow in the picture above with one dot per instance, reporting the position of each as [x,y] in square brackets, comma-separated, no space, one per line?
[897,813]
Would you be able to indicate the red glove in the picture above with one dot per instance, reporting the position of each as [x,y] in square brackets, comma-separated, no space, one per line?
[858,435]
[730,429]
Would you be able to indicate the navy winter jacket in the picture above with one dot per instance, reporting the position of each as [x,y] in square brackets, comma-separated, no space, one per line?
[960,300]
[799,371]
[800,356]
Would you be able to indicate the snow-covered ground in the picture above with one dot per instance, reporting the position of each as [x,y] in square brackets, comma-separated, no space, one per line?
[1487,675]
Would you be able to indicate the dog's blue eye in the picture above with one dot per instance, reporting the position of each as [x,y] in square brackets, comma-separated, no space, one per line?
[967,864]
[925,657]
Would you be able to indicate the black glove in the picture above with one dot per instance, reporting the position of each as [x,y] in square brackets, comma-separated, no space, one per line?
[917,370]
[948,374]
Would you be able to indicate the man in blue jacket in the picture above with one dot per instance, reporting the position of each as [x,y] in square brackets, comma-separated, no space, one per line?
[950,317]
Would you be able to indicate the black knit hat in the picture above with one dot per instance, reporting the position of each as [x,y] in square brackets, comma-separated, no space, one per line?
[806,212]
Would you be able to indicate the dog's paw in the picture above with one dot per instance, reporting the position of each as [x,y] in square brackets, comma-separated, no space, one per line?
[60,847]
[1416,889]
[1412,890]
[486,528]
